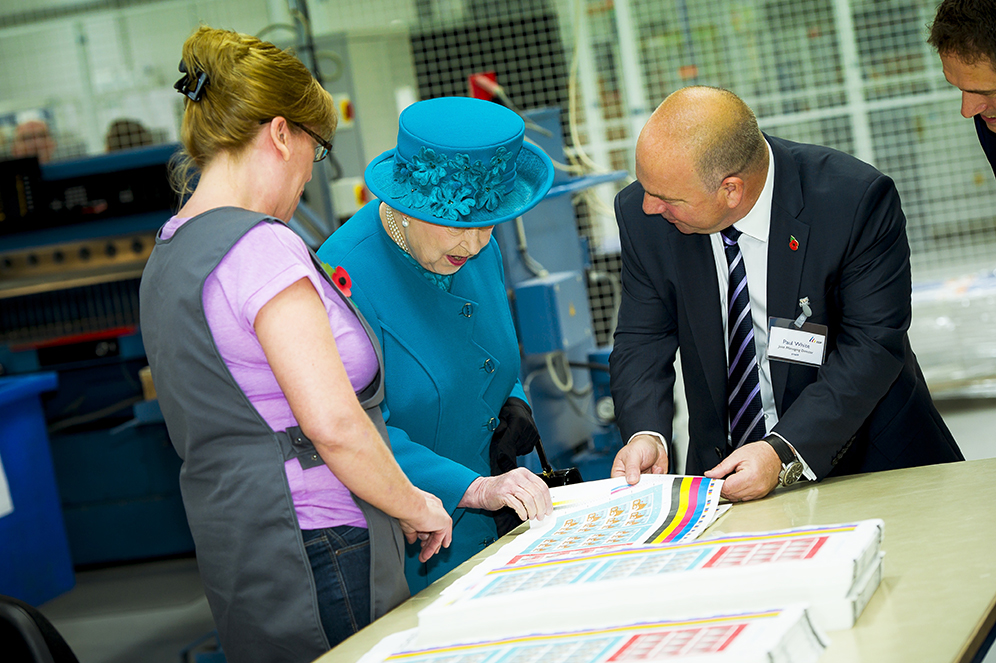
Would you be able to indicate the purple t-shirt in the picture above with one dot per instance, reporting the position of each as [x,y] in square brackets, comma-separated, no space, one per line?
[264,262]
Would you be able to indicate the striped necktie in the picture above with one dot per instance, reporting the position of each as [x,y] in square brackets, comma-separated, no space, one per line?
[742,385]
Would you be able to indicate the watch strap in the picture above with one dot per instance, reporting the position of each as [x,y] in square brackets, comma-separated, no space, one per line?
[781,447]
[792,467]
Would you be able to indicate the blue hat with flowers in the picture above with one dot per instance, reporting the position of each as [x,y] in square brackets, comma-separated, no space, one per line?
[460,162]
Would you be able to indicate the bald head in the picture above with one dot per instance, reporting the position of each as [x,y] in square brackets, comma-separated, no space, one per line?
[711,129]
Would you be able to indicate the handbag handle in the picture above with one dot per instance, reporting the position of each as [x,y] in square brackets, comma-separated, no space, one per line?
[551,477]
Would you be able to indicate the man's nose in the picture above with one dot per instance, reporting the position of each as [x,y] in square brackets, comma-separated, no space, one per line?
[653,205]
[972,104]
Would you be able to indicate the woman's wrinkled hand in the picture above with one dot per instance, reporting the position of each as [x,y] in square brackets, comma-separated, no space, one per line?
[519,489]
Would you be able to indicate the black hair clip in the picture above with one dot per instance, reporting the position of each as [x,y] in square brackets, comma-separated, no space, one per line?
[182,86]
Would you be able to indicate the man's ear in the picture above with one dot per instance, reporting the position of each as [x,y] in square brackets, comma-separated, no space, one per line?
[280,136]
[732,189]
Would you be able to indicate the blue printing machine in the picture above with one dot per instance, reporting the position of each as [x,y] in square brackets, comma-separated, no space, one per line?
[74,240]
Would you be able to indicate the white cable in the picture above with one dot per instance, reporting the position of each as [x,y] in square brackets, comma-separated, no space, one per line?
[531,263]
[527,383]
[581,413]
[597,204]
[579,151]
[567,385]
[556,164]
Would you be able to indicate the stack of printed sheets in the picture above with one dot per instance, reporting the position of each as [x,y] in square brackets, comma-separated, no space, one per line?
[783,635]
[832,569]
[618,575]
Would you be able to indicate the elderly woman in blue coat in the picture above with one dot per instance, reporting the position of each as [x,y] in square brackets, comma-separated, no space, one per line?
[427,275]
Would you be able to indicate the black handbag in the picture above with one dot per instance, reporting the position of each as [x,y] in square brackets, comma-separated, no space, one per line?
[553,478]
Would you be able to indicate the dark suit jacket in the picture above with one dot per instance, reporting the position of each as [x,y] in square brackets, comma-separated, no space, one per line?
[988,141]
[867,408]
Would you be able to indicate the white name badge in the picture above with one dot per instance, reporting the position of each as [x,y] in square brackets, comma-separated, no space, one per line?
[799,345]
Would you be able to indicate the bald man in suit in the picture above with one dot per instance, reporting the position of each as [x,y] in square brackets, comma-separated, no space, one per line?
[815,241]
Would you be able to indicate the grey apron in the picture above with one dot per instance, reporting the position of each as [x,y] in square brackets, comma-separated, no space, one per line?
[250,551]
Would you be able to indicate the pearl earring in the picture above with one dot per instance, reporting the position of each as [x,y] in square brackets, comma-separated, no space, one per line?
[404,221]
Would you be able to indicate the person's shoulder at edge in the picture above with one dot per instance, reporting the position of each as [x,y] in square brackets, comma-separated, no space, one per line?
[282,247]
[823,164]
[629,205]
[347,238]
[268,237]
[493,252]
[632,191]
[282,232]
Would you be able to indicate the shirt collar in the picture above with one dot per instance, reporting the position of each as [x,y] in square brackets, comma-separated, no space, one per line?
[758,219]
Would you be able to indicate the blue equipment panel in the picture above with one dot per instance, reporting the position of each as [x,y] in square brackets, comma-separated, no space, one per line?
[35,565]
[553,312]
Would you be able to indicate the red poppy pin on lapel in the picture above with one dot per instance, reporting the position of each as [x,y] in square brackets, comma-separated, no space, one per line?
[342,281]
[340,278]
[793,243]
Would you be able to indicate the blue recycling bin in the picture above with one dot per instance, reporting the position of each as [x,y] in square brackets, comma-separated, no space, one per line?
[35,564]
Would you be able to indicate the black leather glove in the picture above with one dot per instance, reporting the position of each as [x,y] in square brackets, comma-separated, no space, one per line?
[516,435]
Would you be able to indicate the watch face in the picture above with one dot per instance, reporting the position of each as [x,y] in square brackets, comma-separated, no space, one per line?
[791,473]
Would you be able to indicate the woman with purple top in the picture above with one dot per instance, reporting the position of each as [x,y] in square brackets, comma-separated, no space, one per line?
[268,378]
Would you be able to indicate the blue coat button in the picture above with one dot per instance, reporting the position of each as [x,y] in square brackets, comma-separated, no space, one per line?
[489,366]
[467,310]
[492,424]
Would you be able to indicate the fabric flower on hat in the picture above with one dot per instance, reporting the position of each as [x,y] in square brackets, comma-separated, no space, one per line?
[428,167]
[466,172]
[489,193]
[451,200]
[401,178]
[406,189]
[413,196]
[500,160]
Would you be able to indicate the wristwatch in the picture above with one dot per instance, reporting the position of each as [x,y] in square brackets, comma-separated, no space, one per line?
[791,465]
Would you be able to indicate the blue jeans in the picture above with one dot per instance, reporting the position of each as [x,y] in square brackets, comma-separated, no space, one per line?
[340,563]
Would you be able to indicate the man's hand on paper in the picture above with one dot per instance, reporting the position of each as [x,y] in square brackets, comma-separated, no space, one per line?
[645,454]
[519,489]
[750,472]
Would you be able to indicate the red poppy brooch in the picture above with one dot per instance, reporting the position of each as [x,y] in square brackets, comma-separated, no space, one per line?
[340,278]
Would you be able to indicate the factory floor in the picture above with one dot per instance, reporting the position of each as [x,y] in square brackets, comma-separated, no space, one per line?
[135,613]
[151,612]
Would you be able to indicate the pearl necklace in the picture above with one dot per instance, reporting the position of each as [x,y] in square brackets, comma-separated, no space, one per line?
[394,231]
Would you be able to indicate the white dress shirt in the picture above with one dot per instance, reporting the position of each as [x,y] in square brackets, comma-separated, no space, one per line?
[754,247]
